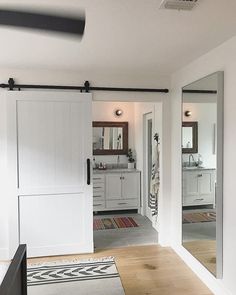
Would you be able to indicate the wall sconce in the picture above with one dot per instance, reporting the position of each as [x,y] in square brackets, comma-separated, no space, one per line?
[118,112]
[188,113]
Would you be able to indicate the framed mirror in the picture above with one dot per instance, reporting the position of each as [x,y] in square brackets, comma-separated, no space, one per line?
[110,138]
[202,171]
[189,137]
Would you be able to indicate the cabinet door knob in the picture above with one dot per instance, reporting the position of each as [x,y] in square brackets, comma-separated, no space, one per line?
[199,175]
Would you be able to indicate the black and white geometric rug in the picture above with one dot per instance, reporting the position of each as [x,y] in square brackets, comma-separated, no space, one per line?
[98,276]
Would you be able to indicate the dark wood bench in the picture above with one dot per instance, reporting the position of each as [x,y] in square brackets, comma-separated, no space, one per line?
[15,280]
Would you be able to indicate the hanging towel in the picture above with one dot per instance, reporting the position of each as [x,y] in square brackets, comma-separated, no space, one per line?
[155,181]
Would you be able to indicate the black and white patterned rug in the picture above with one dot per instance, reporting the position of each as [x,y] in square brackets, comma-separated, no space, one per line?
[98,276]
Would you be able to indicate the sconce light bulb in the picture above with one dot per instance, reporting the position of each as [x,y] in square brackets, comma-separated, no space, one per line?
[118,112]
[188,113]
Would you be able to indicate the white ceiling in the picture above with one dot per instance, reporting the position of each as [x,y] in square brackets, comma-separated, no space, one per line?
[121,36]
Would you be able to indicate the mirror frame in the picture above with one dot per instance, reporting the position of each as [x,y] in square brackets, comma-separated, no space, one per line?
[219,173]
[194,149]
[124,126]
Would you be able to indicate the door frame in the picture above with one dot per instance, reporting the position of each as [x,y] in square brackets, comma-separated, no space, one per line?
[12,154]
[146,117]
[164,221]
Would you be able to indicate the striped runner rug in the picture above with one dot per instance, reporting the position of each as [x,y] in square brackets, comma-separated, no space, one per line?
[114,223]
[198,217]
[94,276]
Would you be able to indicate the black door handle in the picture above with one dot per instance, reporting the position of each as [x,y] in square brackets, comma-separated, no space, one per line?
[88,172]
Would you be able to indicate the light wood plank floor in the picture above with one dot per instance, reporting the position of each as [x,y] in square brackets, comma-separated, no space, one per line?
[204,251]
[148,270]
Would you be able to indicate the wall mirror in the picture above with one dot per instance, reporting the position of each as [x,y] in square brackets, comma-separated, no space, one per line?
[202,171]
[189,137]
[110,138]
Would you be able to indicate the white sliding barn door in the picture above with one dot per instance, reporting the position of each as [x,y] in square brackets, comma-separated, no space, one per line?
[51,137]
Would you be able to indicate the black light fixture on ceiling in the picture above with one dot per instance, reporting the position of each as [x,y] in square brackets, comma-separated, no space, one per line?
[43,21]
[118,112]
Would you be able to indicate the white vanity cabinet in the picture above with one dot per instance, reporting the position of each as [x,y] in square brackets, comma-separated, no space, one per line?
[116,191]
[98,192]
[198,187]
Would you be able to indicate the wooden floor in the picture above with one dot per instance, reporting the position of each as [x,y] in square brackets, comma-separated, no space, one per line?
[148,270]
[204,251]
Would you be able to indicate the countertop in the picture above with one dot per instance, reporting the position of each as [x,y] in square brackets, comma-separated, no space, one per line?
[122,170]
[197,168]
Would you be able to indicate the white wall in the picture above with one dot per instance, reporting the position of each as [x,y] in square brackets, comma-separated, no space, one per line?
[223,58]
[205,115]
[104,111]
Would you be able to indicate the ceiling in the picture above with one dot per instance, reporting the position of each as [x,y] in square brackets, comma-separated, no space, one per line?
[131,36]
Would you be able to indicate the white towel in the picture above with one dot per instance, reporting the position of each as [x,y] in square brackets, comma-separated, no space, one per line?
[155,181]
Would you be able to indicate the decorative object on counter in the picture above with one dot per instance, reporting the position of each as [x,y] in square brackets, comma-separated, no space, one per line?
[155,178]
[94,163]
[118,112]
[114,223]
[90,276]
[102,166]
[131,159]
[199,160]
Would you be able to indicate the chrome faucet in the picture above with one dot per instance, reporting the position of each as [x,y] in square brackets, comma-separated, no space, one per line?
[189,159]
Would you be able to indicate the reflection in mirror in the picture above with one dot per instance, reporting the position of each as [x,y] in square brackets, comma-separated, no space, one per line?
[107,138]
[202,171]
[110,138]
[189,137]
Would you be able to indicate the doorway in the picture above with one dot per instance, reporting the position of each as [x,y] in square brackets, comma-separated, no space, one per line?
[121,213]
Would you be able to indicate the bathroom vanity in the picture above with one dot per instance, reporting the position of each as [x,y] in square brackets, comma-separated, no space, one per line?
[116,189]
[198,186]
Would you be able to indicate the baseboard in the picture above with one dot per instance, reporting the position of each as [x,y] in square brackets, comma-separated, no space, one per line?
[4,254]
[215,285]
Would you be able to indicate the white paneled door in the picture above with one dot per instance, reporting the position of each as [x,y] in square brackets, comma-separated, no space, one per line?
[51,141]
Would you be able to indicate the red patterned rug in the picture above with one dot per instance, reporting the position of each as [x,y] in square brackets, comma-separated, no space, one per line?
[196,217]
[114,223]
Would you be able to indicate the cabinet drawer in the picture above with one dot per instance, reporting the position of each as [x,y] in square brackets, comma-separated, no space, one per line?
[98,205]
[98,196]
[115,204]
[98,178]
[98,187]
[198,200]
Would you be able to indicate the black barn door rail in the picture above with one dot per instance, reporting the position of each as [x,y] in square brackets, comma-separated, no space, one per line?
[11,85]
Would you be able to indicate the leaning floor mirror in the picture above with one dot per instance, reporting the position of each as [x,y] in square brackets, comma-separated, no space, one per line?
[202,171]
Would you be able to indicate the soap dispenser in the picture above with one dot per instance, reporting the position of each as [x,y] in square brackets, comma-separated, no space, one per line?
[94,163]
